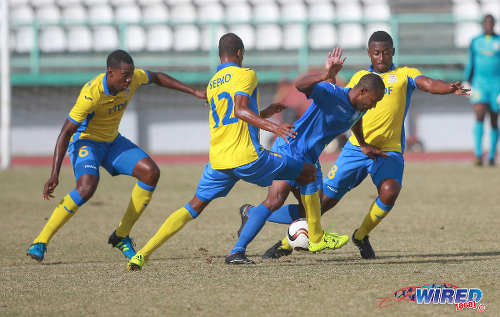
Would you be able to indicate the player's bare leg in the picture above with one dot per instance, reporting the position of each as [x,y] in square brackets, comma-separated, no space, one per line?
[480,110]
[493,138]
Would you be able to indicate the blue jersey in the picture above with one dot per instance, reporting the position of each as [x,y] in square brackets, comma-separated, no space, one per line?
[483,66]
[329,115]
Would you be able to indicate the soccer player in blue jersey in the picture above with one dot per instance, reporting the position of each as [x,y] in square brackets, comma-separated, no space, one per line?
[235,151]
[333,111]
[90,134]
[382,127]
[483,70]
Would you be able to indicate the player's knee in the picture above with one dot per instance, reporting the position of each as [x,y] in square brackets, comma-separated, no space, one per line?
[389,191]
[308,174]
[86,190]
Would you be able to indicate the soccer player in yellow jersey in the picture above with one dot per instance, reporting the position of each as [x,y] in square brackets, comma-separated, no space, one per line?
[383,127]
[90,134]
[235,151]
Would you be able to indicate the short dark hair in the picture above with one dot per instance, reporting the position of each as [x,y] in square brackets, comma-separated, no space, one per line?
[229,44]
[371,82]
[117,57]
[490,16]
[380,36]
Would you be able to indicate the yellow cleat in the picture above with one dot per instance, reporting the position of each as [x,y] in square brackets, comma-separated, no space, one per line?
[136,263]
[330,240]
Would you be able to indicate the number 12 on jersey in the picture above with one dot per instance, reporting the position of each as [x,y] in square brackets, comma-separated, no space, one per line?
[227,117]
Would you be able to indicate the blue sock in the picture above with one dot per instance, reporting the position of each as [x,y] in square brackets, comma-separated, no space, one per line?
[494,141]
[286,214]
[253,225]
[478,138]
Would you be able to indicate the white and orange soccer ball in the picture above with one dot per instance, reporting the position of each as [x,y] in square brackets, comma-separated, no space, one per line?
[298,234]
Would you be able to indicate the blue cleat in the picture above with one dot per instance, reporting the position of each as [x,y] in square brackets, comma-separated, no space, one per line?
[126,245]
[37,251]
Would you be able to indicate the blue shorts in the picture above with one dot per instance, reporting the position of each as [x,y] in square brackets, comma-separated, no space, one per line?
[352,166]
[117,157]
[270,166]
[488,93]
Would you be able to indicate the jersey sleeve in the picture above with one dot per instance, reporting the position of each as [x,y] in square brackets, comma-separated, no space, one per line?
[355,79]
[412,74]
[143,76]
[246,84]
[84,105]
[469,67]
[323,92]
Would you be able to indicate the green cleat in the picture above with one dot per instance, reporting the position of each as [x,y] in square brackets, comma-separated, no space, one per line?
[330,240]
[136,262]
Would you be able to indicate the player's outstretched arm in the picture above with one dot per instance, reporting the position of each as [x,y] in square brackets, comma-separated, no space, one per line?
[68,129]
[273,108]
[333,65]
[164,80]
[436,86]
[368,149]
[242,112]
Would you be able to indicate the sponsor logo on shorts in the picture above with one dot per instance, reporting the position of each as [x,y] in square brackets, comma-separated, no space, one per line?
[332,189]
[90,166]
[437,293]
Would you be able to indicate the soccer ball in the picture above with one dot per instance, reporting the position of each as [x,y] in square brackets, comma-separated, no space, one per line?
[298,234]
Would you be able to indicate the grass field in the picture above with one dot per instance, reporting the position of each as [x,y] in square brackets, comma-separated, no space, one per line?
[443,229]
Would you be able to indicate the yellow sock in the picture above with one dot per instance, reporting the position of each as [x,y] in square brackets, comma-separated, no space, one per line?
[174,223]
[285,244]
[61,214]
[378,211]
[140,199]
[312,205]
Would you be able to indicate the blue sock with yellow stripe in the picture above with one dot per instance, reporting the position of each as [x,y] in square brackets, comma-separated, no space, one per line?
[377,212]
[256,220]
[286,214]
[61,214]
[478,139]
[494,142]
[141,196]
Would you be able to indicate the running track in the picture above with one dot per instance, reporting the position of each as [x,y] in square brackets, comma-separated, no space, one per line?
[203,158]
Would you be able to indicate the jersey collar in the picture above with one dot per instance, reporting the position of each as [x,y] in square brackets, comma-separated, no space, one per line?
[370,69]
[221,66]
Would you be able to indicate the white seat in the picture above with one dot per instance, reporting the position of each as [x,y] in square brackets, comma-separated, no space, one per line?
[247,34]
[52,39]
[322,36]
[176,2]
[349,10]
[377,11]
[119,3]
[351,35]
[373,27]
[465,32]
[467,10]
[183,12]
[48,13]
[68,3]
[135,38]
[41,3]
[211,12]
[293,33]
[269,37]
[74,13]
[321,11]
[17,3]
[128,13]
[149,2]
[100,13]
[230,2]
[205,2]
[186,38]
[491,7]
[79,39]
[155,12]
[238,12]
[266,11]
[24,39]
[105,38]
[159,38]
[207,41]
[91,3]
[22,14]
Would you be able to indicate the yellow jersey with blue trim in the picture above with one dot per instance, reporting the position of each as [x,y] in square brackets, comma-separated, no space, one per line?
[98,112]
[383,126]
[233,142]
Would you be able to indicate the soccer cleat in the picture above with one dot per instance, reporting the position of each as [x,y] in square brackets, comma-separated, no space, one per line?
[126,245]
[238,258]
[244,216]
[136,263]
[276,252]
[330,240]
[478,161]
[37,251]
[364,246]
[491,162]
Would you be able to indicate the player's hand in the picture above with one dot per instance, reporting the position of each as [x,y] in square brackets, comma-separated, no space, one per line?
[201,94]
[334,62]
[284,130]
[372,152]
[458,89]
[49,187]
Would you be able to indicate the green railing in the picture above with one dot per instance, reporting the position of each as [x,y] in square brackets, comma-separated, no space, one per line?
[38,68]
